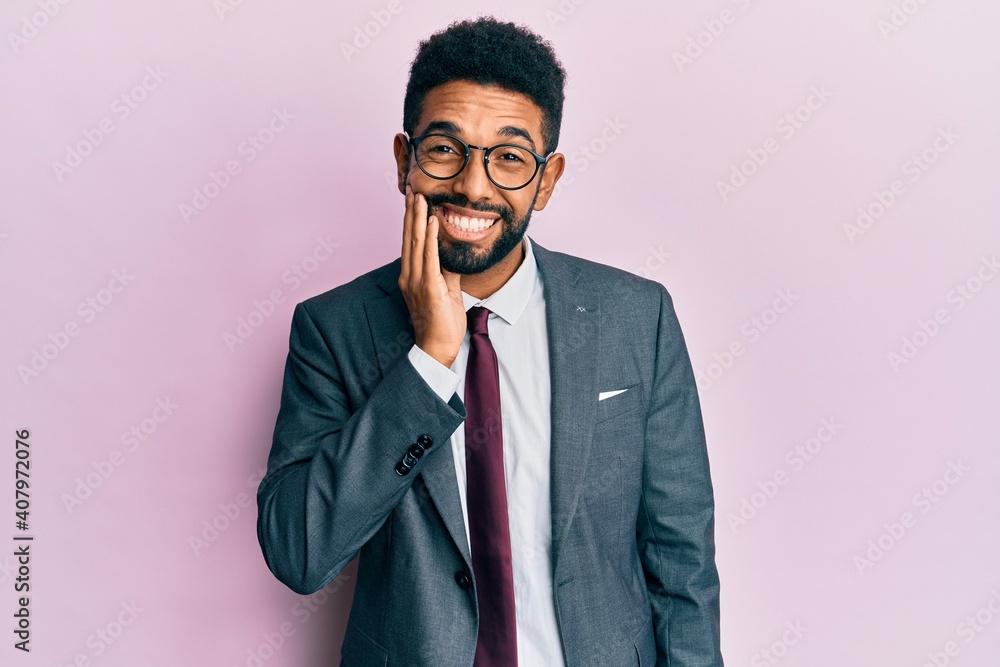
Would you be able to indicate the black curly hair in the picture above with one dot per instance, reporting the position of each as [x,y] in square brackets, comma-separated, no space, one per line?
[489,52]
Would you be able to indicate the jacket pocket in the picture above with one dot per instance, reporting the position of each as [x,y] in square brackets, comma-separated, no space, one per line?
[360,651]
[645,646]
[619,404]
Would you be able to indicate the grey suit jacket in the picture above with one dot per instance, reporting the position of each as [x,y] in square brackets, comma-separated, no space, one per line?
[634,574]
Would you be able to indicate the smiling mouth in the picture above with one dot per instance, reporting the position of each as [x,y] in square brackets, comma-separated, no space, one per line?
[466,223]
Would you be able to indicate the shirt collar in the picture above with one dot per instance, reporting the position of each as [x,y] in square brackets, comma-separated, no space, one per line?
[510,300]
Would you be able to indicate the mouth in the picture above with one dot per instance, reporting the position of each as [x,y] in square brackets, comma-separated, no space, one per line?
[465,224]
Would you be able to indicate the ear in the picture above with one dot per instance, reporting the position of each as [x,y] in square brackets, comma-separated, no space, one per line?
[401,151]
[553,170]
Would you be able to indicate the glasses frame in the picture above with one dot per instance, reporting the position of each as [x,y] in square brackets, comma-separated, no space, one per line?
[539,160]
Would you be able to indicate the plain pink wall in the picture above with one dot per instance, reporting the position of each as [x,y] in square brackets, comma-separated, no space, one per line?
[790,306]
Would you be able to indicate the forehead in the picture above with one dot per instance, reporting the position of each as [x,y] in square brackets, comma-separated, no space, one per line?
[481,112]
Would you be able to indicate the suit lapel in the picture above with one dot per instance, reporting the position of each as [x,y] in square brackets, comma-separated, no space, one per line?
[572,316]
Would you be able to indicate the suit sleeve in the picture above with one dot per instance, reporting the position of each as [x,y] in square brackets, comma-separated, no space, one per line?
[331,478]
[676,523]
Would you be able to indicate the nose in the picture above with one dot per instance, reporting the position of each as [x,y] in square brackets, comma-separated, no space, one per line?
[473,181]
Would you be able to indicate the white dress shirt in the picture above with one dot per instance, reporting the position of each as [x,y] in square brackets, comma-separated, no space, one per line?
[518,333]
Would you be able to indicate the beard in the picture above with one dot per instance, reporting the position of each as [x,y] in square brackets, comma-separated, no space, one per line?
[463,257]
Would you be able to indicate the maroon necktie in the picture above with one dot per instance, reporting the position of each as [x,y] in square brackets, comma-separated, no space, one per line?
[486,500]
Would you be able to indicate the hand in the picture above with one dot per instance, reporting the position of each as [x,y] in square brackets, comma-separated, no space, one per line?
[433,296]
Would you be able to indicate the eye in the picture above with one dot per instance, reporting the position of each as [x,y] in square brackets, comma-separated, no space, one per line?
[511,156]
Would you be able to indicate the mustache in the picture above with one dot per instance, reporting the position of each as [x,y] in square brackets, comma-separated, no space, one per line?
[439,198]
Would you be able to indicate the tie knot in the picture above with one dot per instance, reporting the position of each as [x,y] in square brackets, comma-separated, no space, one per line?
[477,320]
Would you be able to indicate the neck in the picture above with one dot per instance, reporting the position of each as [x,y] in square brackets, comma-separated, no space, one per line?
[482,285]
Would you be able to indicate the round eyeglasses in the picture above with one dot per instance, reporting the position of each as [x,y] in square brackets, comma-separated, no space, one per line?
[508,166]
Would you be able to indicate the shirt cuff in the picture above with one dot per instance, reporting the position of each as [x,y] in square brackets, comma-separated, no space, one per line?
[441,379]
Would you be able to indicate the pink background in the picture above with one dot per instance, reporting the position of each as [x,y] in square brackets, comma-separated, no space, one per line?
[648,138]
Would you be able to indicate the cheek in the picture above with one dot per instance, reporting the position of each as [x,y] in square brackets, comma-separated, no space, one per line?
[519,205]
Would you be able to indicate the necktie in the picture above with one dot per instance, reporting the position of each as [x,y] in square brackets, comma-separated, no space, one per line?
[486,500]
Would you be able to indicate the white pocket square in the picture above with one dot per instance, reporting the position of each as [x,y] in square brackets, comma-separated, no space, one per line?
[609,394]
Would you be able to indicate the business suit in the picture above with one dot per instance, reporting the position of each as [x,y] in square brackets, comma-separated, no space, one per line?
[634,577]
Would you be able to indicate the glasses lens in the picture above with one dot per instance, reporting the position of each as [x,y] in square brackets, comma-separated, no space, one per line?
[511,167]
[441,157]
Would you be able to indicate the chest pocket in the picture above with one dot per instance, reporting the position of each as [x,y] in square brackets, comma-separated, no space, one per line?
[619,404]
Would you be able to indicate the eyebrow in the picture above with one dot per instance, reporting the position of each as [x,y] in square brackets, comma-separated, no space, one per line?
[447,126]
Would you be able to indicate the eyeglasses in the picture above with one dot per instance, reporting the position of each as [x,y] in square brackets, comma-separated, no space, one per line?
[443,156]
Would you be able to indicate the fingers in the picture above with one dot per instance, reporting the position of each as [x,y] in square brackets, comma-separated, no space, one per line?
[404,253]
[418,227]
[431,261]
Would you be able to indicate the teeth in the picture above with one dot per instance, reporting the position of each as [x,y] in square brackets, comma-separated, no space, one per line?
[467,224]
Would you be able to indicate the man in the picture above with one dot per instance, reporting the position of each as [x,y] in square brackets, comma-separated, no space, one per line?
[570,520]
